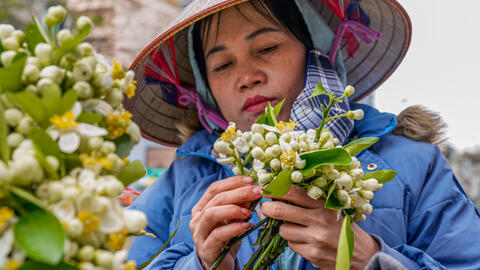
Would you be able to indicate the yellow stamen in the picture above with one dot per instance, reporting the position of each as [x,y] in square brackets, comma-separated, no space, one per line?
[89,220]
[117,123]
[282,125]
[131,89]
[117,240]
[118,72]
[12,265]
[5,215]
[130,265]
[288,159]
[65,121]
[229,134]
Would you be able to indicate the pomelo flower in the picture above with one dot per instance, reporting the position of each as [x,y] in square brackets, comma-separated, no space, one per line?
[67,120]
[116,240]
[131,89]
[230,133]
[118,72]
[117,123]
[288,159]
[286,127]
[90,221]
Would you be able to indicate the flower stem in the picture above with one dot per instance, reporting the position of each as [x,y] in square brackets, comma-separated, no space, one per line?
[266,252]
[325,118]
[232,242]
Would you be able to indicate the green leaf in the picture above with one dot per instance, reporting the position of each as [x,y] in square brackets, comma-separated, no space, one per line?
[24,197]
[67,101]
[11,76]
[42,243]
[132,172]
[334,156]
[51,96]
[332,200]
[71,162]
[1,50]
[47,147]
[124,145]
[278,107]
[383,176]
[279,186]
[34,34]
[31,104]
[262,120]
[319,90]
[4,149]
[90,118]
[357,146]
[345,245]
[33,265]
[69,45]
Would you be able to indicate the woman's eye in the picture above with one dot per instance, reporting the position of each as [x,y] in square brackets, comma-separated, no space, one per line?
[222,67]
[267,49]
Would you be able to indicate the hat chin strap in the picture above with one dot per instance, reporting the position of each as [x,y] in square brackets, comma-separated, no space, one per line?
[359,30]
[204,110]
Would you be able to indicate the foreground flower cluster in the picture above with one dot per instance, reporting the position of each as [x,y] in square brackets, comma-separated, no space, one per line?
[277,156]
[64,138]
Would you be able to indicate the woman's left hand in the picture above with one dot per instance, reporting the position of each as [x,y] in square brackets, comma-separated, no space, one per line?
[312,231]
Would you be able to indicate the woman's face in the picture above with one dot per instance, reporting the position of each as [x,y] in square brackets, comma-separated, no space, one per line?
[250,61]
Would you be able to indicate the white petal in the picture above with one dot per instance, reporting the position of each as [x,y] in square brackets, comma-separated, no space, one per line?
[87,202]
[258,165]
[53,132]
[69,143]
[111,222]
[97,106]
[119,259]
[77,109]
[270,128]
[284,145]
[64,210]
[91,130]
[85,173]
[6,244]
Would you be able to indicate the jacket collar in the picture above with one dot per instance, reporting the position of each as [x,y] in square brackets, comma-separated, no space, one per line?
[373,124]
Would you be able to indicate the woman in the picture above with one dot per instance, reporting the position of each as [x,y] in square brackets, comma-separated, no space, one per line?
[243,56]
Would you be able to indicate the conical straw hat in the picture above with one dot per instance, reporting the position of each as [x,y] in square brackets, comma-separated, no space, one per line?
[155,106]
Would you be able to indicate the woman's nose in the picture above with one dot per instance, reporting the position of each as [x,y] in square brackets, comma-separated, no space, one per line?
[250,76]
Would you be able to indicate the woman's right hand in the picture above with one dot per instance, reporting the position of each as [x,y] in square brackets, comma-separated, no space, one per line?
[217,218]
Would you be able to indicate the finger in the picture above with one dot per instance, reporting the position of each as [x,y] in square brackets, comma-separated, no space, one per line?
[298,196]
[287,212]
[213,216]
[294,233]
[220,236]
[236,196]
[220,186]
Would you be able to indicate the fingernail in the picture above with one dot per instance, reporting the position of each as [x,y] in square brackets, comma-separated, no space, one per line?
[247,225]
[257,190]
[247,180]
[246,212]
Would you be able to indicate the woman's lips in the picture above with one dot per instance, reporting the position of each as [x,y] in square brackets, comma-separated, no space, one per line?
[256,103]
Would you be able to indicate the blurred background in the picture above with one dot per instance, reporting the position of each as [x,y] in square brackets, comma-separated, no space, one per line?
[439,71]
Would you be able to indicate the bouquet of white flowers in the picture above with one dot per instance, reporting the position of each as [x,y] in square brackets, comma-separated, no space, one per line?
[277,156]
[64,138]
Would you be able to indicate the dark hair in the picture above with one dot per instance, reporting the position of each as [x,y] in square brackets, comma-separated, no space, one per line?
[283,13]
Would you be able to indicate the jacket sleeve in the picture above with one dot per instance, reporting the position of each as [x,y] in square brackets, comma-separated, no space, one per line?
[443,225]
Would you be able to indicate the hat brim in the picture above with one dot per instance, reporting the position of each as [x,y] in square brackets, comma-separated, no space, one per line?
[166,123]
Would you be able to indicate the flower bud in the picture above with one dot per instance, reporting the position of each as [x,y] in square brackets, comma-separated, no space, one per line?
[135,220]
[311,133]
[55,190]
[295,145]
[370,184]
[221,147]
[296,176]
[241,145]
[74,228]
[83,89]
[95,142]
[70,193]
[13,116]
[10,43]
[286,137]
[360,217]
[349,90]
[303,137]
[269,153]
[86,253]
[236,170]
[329,145]
[276,150]
[84,49]
[367,209]
[314,192]
[366,194]
[300,164]
[258,139]
[356,173]
[6,31]
[25,125]
[336,141]
[332,174]
[304,146]
[313,146]
[44,53]
[107,147]
[355,163]
[53,73]
[115,97]
[247,136]
[345,181]
[82,71]
[257,128]
[7,57]
[82,22]
[271,138]
[31,73]
[320,182]
[69,180]
[344,198]
[357,114]
[264,178]
[275,164]
[257,153]
[114,188]
[64,35]
[55,15]
[53,162]
[24,169]
[103,258]
[134,132]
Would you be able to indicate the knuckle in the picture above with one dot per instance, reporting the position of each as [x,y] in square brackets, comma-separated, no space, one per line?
[277,210]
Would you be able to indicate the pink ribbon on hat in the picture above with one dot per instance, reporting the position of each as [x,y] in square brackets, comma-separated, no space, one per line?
[359,30]
[204,110]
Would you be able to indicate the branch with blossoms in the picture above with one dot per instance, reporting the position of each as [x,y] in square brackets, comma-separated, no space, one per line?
[277,156]
[64,139]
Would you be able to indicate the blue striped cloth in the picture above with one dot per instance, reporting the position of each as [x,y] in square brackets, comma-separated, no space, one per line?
[306,111]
